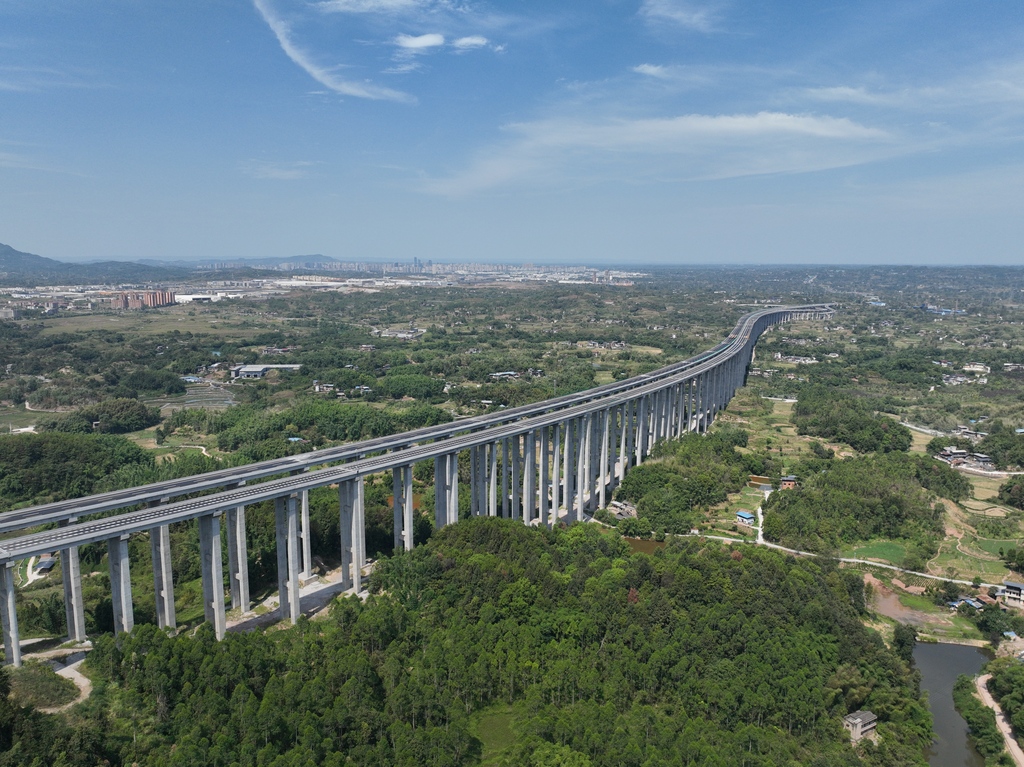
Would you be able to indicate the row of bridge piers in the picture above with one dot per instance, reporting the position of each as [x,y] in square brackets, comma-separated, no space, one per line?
[550,468]
[554,472]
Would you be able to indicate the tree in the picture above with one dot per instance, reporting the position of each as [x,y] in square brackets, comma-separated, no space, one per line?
[904,639]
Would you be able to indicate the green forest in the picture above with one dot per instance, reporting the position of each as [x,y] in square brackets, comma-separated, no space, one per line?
[698,654]
[889,495]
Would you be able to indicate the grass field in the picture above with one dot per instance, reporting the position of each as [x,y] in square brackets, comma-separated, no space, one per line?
[182,318]
[993,546]
[886,551]
[493,728]
[16,418]
[985,488]
[919,441]
[36,684]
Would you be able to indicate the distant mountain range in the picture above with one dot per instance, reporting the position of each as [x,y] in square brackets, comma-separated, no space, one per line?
[28,269]
[314,261]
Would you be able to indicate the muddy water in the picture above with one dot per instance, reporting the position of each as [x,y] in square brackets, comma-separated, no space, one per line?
[940,665]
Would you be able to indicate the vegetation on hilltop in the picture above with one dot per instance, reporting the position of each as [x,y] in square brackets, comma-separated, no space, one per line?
[888,495]
[825,412]
[716,656]
[685,477]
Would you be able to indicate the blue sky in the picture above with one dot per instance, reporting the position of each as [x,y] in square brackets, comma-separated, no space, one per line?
[601,131]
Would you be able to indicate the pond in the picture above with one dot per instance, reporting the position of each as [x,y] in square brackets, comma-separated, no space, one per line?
[940,665]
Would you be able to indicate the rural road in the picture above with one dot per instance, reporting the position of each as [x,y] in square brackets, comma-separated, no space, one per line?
[1004,726]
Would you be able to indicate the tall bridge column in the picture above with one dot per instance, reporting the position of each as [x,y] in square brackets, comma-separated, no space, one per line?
[353,536]
[346,507]
[584,462]
[569,468]
[481,480]
[306,535]
[602,483]
[641,430]
[579,465]
[213,578]
[358,497]
[120,584]
[74,606]
[530,476]
[440,491]
[517,487]
[287,527]
[9,615]
[544,517]
[474,481]
[238,559]
[397,488]
[556,472]
[163,578]
[403,502]
[492,479]
[446,490]
[701,402]
[620,469]
[596,472]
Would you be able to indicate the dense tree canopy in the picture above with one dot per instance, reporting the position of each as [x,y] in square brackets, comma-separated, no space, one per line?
[856,499]
[829,413]
[55,466]
[696,655]
[689,474]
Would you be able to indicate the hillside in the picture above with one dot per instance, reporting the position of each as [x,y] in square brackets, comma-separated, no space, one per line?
[19,268]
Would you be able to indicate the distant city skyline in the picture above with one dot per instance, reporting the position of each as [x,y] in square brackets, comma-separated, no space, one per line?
[619,133]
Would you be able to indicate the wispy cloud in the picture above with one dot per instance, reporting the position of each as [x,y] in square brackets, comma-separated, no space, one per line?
[419,43]
[699,17]
[1002,83]
[22,79]
[322,75]
[470,42]
[403,68]
[369,6]
[683,147]
[651,70]
[276,171]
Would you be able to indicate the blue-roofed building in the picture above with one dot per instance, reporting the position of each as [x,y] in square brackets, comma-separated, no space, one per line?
[745,518]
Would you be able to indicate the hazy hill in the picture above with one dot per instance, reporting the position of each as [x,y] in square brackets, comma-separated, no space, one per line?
[314,261]
[18,268]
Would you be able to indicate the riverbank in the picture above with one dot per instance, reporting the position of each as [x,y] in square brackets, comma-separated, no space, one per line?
[1012,746]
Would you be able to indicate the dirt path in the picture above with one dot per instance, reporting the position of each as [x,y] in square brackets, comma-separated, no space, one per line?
[1004,726]
[70,671]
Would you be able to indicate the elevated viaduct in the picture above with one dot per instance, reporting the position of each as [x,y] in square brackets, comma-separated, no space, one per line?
[541,463]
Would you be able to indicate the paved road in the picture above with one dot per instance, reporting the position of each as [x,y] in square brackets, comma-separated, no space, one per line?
[1004,726]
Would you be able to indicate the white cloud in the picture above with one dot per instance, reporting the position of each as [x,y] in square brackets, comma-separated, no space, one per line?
[847,94]
[277,171]
[369,6]
[682,12]
[470,42]
[20,79]
[1001,84]
[414,43]
[403,69]
[559,151]
[322,75]
[651,70]
[665,133]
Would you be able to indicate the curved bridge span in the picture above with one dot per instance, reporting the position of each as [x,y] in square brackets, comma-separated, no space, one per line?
[544,462]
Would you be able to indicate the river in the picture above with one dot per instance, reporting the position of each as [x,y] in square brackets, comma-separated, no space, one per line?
[940,665]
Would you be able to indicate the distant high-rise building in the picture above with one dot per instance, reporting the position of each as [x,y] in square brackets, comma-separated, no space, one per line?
[148,299]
